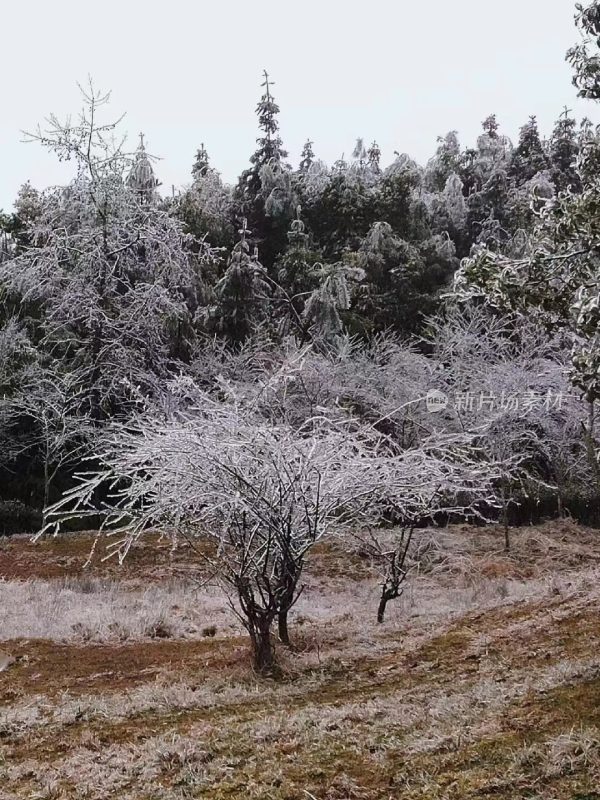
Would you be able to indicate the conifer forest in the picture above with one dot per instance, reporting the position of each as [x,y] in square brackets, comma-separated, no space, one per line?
[300,473]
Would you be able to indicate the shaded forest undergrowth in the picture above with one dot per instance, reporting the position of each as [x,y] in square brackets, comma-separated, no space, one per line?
[134,682]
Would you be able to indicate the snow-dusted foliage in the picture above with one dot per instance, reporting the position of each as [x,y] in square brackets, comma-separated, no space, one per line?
[105,287]
[265,493]
[313,351]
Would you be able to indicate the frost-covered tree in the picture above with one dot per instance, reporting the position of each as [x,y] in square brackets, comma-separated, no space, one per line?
[507,380]
[307,156]
[529,156]
[324,306]
[374,157]
[207,208]
[445,162]
[558,281]
[201,163]
[27,209]
[53,429]
[242,295]
[296,277]
[402,279]
[583,57]
[260,188]
[564,152]
[141,178]
[263,494]
[109,285]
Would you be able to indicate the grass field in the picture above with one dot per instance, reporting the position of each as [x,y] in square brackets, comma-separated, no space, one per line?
[133,682]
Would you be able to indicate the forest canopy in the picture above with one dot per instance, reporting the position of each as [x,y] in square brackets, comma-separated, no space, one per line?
[368,284]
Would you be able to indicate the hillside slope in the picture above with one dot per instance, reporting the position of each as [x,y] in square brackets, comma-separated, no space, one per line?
[484,681]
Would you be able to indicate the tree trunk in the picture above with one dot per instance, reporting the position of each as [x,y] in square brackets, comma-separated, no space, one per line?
[46,488]
[591,443]
[505,522]
[290,571]
[282,628]
[559,505]
[262,647]
[381,608]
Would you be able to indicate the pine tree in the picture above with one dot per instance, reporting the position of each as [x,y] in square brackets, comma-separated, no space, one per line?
[307,157]
[296,275]
[201,163]
[16,226]
[141,176]
[270,147]
[564,150]
[269,230]
[529,157]
[359,153]
[322,312]
[242,294]
[109,287]
[374,157]
[444,163]
[402,279]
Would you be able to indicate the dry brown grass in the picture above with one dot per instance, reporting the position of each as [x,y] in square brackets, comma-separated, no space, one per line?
[484,682]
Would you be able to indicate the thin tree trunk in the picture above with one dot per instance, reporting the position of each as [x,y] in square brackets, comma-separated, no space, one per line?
[506,533]
[46,489]
[559,505]
[282,628]
[590,442]
[505,521]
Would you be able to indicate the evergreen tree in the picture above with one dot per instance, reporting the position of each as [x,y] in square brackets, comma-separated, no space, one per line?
[326,304]
[444,163]
[15,228]
[307,156]
[558,282]
[529,157]
[490,127]
[402,279]
[486,181]
[564,150]
[242,294]
[206,207]
[359,153]
[269,229]
[374,157]
[201,164]
[449,213]
[296,275]
[141,178]
[342,213]
[108,287]
[492,154]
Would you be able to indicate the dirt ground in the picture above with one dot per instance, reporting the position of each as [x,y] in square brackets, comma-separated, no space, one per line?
[484,680]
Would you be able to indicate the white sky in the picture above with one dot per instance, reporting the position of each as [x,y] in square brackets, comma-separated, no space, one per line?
[399,71]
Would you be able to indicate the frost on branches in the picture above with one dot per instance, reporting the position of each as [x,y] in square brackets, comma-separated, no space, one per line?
[108,286]
[557,282]
[264,494]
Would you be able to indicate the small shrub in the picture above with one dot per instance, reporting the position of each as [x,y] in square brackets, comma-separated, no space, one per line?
[160,629]
[16,517]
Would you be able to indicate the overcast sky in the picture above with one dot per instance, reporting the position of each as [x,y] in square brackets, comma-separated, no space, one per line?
[398,71]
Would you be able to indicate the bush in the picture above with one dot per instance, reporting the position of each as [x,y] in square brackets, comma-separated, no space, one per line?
[16,517]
